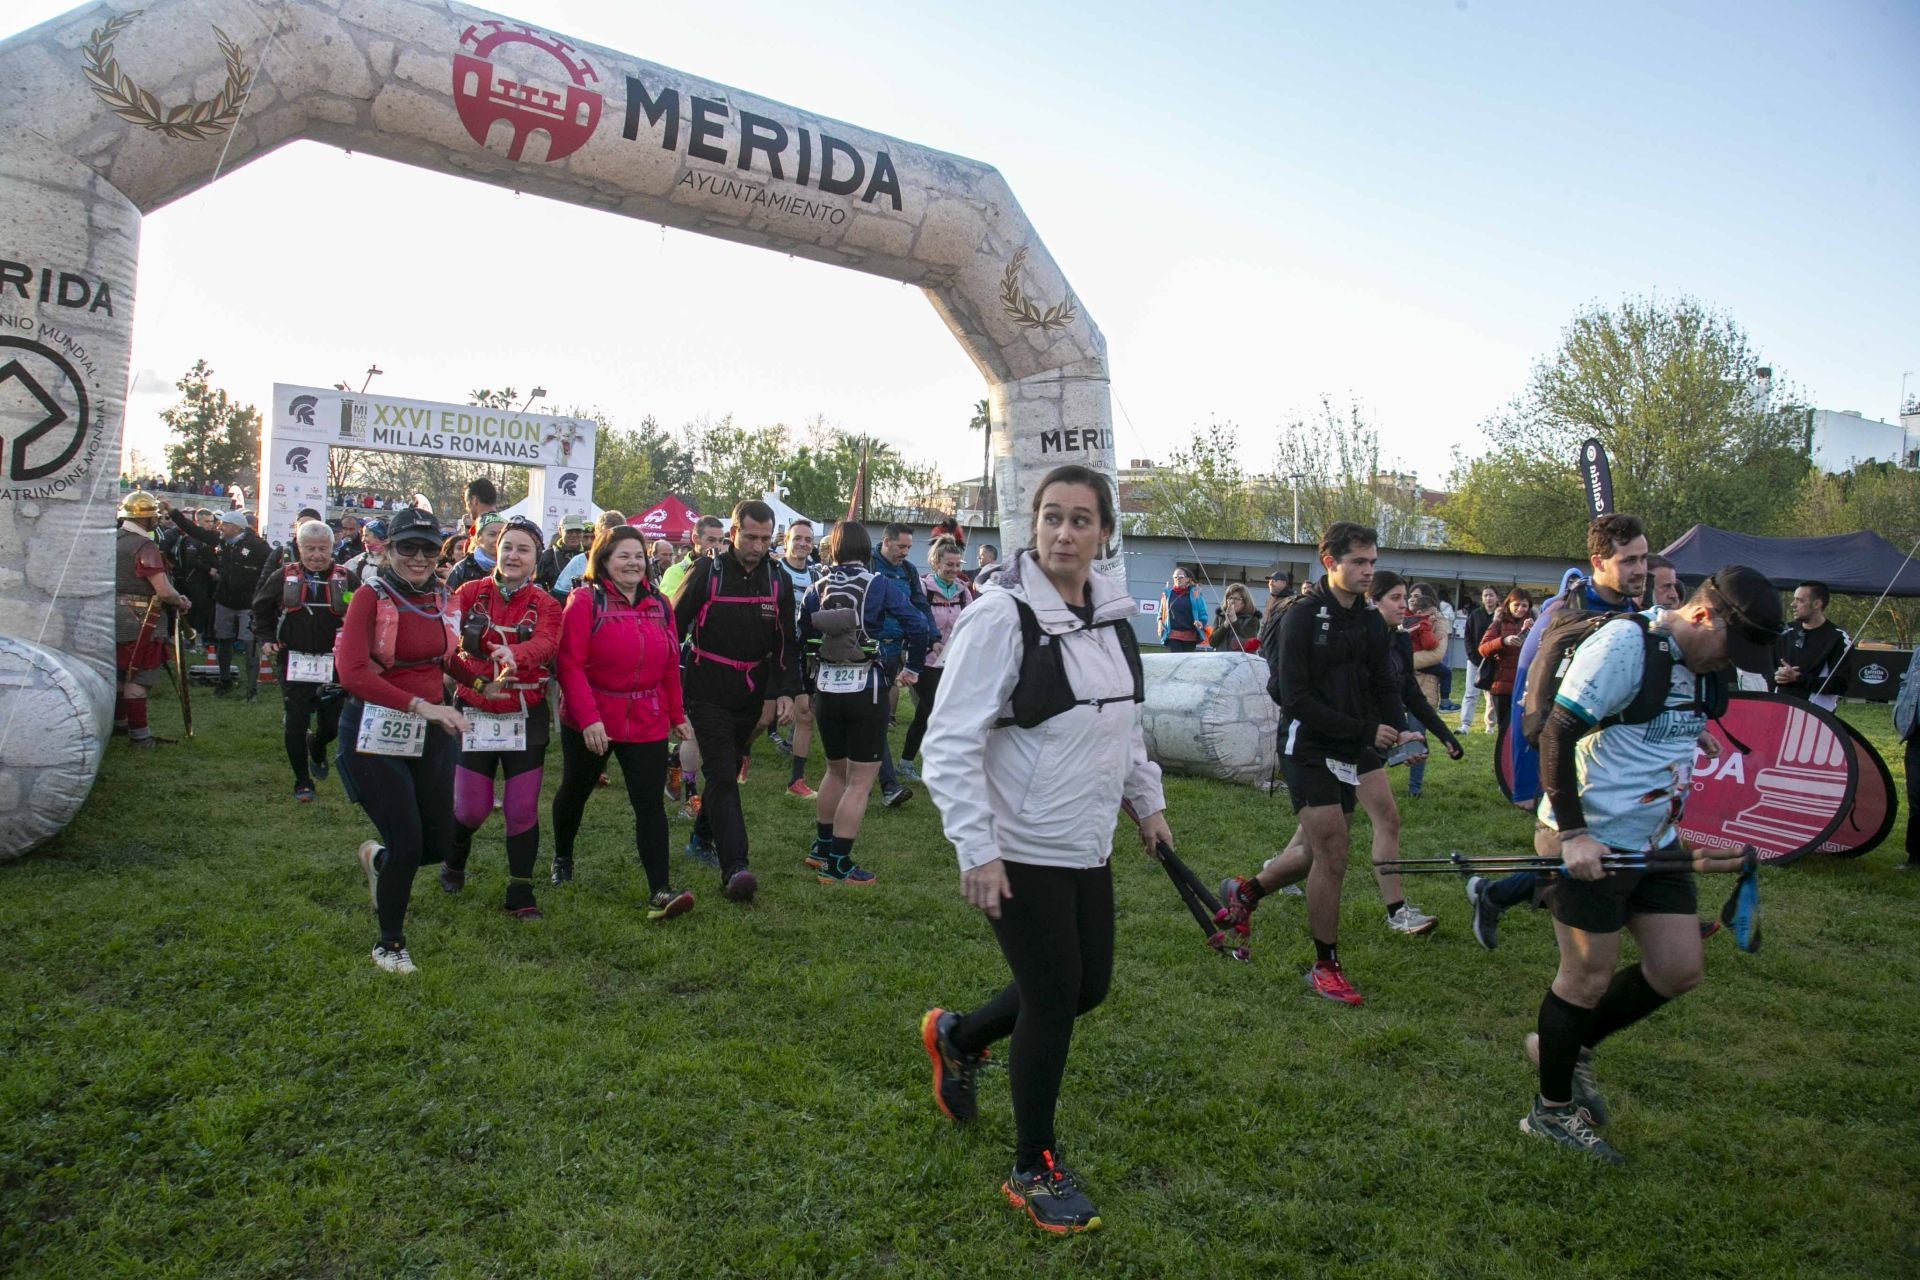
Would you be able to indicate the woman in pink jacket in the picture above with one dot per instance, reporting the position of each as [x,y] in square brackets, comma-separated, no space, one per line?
[619,667]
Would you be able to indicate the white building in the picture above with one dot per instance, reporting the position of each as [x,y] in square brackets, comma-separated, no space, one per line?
[1841,440]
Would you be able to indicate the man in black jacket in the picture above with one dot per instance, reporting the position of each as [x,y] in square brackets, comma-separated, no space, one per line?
[735,611]
[240,555]
[1810,650]
[297,609]
[1342,713]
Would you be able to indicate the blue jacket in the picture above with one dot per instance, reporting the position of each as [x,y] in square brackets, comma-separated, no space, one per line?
[1525,772]
[886,607]
[1195,601]
[907,578]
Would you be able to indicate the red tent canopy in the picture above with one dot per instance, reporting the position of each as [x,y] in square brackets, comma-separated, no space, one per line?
[668,518]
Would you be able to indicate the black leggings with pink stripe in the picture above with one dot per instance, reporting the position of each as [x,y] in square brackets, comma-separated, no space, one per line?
[520,804]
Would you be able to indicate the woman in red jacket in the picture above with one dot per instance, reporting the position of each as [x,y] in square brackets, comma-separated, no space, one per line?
[1502,643]
[509,632]
[620,694]
[398,742]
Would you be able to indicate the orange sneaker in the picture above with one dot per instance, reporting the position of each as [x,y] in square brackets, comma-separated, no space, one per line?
[799,789]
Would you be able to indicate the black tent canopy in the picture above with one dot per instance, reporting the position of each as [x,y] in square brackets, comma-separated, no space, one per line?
[1859,564]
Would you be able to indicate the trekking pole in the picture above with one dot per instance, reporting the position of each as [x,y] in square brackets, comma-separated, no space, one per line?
[1201,902]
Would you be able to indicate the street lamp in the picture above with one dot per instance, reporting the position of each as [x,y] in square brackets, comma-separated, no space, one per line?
[1296,477]
[373,371]
[539,393]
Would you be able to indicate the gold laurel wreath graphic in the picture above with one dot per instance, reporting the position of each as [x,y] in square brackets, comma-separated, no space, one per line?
[192,120]
[1022,310]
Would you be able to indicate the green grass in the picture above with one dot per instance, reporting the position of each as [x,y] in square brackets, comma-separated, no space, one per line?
[202,1075]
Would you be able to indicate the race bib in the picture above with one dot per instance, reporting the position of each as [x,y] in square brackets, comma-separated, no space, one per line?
[488,732]
[1345,772]
[843,679]
[386,732]
[309,668]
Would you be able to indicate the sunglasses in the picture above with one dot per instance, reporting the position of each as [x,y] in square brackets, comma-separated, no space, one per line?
[413,550]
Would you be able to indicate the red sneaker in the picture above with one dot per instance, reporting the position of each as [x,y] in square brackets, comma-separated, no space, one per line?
[799,789]
[1329,983]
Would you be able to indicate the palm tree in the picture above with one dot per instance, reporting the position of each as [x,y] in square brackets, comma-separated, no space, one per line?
[983,423]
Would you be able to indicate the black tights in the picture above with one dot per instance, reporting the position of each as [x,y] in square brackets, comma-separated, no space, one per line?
[410,800]
[1056,932]
[300,703]
[643,766]
[923,692]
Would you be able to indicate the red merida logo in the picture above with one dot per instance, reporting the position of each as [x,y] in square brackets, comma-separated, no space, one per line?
[482,99]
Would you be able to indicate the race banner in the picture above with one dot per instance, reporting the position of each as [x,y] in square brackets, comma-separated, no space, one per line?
[1785,795]
[1596,477]
[1875,804]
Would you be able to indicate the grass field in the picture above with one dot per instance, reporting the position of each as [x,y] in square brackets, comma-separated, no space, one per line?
[203,1076]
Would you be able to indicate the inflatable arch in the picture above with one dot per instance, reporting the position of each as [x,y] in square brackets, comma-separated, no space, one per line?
[118,108]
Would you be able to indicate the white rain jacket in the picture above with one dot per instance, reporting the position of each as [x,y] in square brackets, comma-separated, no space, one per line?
[1048,795]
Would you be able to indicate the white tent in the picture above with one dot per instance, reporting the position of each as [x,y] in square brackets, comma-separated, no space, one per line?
[529,508]
[784,515]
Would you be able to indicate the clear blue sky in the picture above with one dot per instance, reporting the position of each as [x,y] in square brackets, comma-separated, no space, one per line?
[1257,203]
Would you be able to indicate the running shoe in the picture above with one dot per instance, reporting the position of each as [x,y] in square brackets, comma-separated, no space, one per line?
[954,1072]
[691,809]
[393,959]
[1293,891]
[841,870]
[452,879]
[741,886]
[303,792]
[562,871]
[673,782]
[1052,1197]
[780,744]
[905,772]
[1236,906]
[668,903]
[1412,921]
[799,790]
[1708,927]
[1568,1127]
[1486,916]
[317,756]
[1586,1086]
[369,850]
[1329,983]
[525,914]
[702,851]
[744,762]
[604,781]
[819,855]
[895,796]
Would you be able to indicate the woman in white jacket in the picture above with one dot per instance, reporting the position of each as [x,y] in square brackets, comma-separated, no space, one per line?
[1029,770]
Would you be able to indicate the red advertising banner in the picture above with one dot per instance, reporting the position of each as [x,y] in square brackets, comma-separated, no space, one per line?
[668,518]
[1787,794]
[1875,803]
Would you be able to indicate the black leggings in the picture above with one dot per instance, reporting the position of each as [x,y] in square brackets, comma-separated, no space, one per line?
[922,711]
[643,765]
[1056,932]
[301,702]
[410,799]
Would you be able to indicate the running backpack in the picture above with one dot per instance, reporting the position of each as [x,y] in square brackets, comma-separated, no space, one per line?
[1659,654]
[841,618]
[1042,690]
[769,602]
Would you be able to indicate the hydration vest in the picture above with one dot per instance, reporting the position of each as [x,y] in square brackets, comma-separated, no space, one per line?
[386,628]
[293,593]
[841,618]
[746,669]
[1659,654]
[480,632]
[1043,690]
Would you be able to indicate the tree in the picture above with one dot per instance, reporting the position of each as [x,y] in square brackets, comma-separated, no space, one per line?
[623,478]
[216,438]
[1330,459]
[1877,496]
[1668,388]
[983,423]
[1202,491]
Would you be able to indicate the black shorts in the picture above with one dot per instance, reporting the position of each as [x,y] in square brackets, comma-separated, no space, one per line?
[1605,905]
[851,726]
[1312,784]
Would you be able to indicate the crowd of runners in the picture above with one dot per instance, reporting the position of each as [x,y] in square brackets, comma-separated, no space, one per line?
[433,671]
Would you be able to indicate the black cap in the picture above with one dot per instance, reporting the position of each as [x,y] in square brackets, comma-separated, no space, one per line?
[1751,607]
[1280,571]
[411,524]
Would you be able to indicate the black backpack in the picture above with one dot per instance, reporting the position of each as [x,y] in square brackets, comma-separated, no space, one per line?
[1043,691]
[841,618]
[1569,628]
[1270,643]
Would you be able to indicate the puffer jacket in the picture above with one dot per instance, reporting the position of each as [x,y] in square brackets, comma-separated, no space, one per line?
[1045,795]
[623,673]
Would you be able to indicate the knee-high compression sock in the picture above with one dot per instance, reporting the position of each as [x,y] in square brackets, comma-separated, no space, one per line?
[137,720]
[799,769]
[1630,997]
[1563,1028]
[120,711]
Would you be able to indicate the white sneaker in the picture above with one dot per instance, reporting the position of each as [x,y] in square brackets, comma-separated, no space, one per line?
[1293,891]
[1410,919]
[393,960]
[369,849]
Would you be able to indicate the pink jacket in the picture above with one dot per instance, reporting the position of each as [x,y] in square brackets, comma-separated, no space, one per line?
[946,612]
[623,673]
